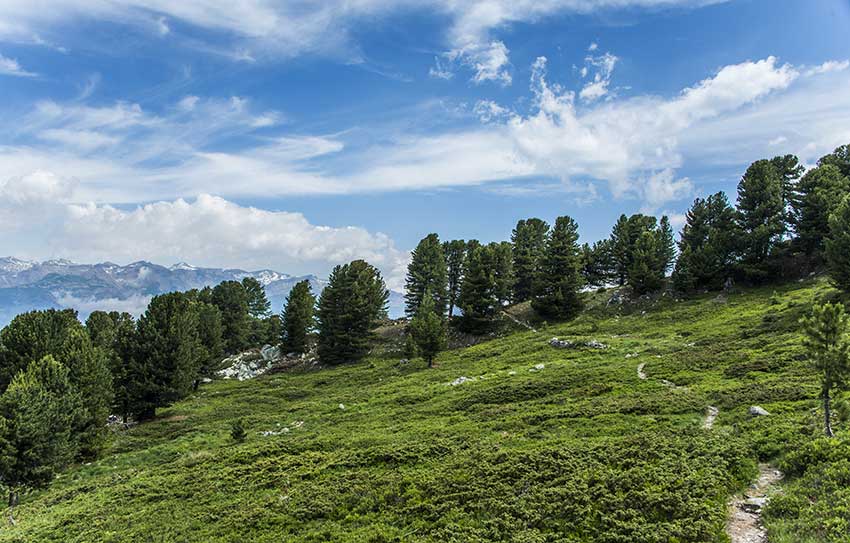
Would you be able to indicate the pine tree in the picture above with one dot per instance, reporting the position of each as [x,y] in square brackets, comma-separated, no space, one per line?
[37,415]
[455,253]
[825,337]
[708,245]
[666,245]
[840,158]
[258,304]
[838,245]
[297,318]
[621,249]
[789,169]
[169,355]
[115,333]
[557,283]
[231,299]
[761,211]
[349,308]
[32,336]
[478,292]
[502,271]
[426,273]
[529,240]
[210,337]
[428,331]
[89,374]
[817,196]
[598,266]
[646,273]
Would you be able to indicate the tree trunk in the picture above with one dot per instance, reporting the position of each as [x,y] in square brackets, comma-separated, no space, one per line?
[827,425]
[13,501]
[430,361]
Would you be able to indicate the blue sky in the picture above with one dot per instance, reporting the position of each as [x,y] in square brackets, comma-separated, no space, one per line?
[297,135]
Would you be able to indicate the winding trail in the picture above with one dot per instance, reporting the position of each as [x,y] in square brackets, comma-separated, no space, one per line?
[711,413]
[521,323]
[744,524]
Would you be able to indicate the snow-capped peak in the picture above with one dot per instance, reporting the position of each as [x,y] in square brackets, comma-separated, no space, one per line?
[14,265]
[183,266]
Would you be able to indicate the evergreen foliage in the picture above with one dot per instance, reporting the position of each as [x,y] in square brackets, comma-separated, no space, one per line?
[89,373]
[349,308]
[503,276]
[707,248]
[210,337]
[825,338]
[428,331]
[646,273]
[817,196]
[557,283]
[838,245]
[666,246]
[761,217]
[455,253]
[529,241]
[598,265]
[231,299]
[39,410]
[840,158]
[478,299]
[297,318]
[258,304]
[427,272]
[168,355]
[32,336]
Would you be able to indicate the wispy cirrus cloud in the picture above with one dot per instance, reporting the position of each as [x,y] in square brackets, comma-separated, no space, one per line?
[10,66]
[260,29]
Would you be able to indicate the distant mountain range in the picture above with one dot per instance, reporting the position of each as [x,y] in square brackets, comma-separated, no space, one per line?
[27,285]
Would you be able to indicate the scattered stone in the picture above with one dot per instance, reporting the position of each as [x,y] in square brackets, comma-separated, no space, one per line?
[640,373]
[342,406]
[567,344]
[461,380]
[632,355]
[511,372]
[244,366]
[270,353]
[758,411]
[538,367]
[561,343]
[206,380]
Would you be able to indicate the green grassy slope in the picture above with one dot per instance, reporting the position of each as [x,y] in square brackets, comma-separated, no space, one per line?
[581,450]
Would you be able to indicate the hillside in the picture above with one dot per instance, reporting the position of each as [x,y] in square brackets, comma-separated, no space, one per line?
[537,444]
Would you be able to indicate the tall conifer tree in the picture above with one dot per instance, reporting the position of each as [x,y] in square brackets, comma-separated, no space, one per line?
[529,240]
[427,273]
[557,283]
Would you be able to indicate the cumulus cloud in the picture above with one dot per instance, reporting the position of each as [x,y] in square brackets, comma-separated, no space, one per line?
[603,66]
[616,140]
[208,231]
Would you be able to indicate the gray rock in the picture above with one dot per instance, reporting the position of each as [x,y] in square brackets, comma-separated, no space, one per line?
[757,411]
[561,343]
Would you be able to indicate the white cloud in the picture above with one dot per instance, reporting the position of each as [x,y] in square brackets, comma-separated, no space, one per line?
[488,110]
[662,188]
[593,46]
[122,153]
[209,231]
[10,66]
[289,28]
[829,66]
[439,71]
[604,68]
